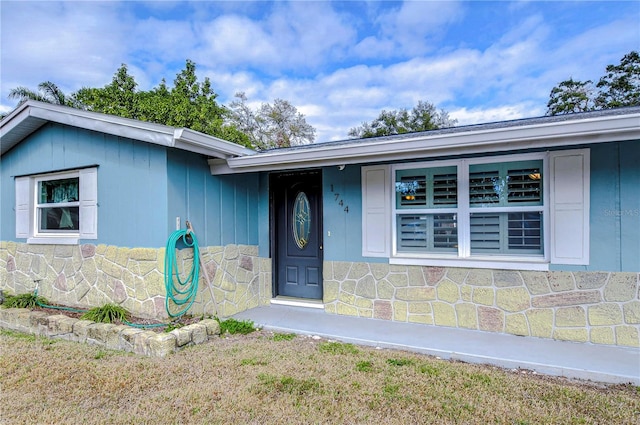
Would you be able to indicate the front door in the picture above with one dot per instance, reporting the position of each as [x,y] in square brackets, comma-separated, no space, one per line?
[297,234]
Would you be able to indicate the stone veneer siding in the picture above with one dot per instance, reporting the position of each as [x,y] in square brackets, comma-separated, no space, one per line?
[108,335]
[89,275]
[595,307]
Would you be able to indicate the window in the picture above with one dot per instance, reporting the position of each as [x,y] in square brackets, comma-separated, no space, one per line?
[426,209]
[513,211]
[506,208]
[466,208]
[57,207]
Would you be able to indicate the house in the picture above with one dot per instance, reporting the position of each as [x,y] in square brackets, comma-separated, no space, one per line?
[528,227]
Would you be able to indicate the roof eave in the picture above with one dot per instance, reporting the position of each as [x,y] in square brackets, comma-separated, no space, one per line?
[187,139]
[548,135]
[31,115]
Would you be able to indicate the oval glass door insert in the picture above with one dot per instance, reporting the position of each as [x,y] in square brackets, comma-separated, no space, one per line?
[301,220]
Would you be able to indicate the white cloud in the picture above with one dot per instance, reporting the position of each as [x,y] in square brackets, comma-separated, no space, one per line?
[298,36]
[472,116]
[165,40]
[414,28]
[74,44]
[317,54]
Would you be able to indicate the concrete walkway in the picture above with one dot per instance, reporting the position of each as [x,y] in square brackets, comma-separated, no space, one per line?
[560,358]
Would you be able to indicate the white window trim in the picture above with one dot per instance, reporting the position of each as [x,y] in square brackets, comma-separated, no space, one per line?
[37,234]
[464,258]
[27,202]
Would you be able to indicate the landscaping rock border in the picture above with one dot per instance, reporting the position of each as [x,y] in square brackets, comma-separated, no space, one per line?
[108,335]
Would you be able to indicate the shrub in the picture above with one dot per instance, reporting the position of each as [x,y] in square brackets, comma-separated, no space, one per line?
[29,300]
[108,313]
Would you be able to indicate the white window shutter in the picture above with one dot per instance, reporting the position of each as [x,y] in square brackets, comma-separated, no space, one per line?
[376,211]
[569,178]
[23,206]
[89,203]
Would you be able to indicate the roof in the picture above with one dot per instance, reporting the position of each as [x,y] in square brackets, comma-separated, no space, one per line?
[531,133]
[229,158]
[31,115]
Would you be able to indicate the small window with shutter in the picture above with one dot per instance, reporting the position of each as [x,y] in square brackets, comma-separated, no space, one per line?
[57,207]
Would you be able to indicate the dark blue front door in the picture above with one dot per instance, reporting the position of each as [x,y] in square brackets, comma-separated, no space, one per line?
[297,206]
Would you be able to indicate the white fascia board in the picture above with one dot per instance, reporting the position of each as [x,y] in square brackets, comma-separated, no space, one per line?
[546,135]
[208,145]
[31,115]
[12,120]
[23,117]
[109,124]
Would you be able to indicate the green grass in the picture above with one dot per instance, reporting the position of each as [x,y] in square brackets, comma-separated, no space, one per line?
[399,362]
[364,366]
[173,326]
[252,379]
[287,384]
[252,362]
[282,337]
[233,326]
[430,369]
[334,347]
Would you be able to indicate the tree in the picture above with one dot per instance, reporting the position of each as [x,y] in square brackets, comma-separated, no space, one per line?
[47,92]
[571,96]
[274,125]
[619,87]
[117,98]
[423,117]
[187,104]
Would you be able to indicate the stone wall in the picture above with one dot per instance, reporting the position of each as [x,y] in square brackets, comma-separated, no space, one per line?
[600,308]
[89,275]
[108,335]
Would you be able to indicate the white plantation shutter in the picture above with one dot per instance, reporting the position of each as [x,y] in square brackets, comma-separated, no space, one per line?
[89,203]
[23,198]
[376,211]
[569,178]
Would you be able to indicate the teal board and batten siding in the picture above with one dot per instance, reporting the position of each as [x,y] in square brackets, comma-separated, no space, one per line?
[142,188]
[342,211]
[614,211]
[131,181]
[222,209]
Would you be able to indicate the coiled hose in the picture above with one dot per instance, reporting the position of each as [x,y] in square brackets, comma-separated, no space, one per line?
[181,292]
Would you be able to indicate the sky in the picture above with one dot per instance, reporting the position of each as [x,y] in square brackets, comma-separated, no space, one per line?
[339,63]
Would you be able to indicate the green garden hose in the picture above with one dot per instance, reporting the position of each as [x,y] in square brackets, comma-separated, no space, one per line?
[181,292]
[82,310]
